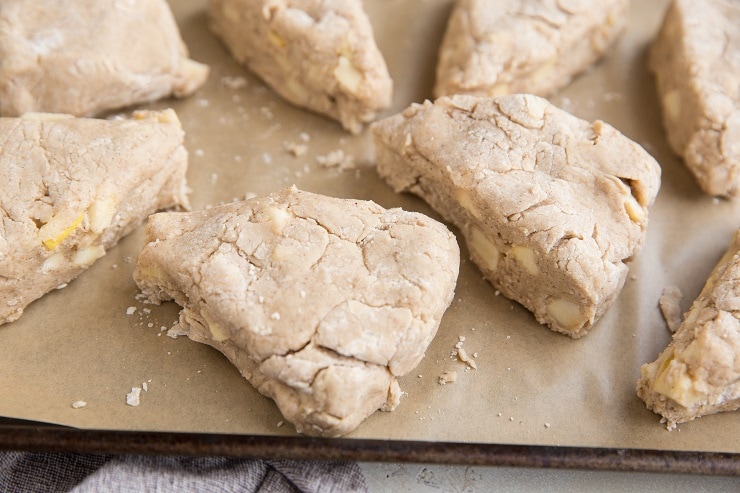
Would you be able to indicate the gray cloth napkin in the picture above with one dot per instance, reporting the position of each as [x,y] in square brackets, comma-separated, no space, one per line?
[85,473]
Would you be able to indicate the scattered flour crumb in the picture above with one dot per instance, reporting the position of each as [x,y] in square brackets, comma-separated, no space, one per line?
[462,355]
[267,112]
[233,81]
[176,331]
[447,377]
[304,137]
[199,152]
[670,307]
[133,397]
[79,404]
[144,387]
[337,159]
[296,150]
[130,310]
[280,423]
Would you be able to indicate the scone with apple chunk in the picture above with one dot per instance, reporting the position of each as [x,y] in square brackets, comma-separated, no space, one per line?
[699,372]
[696,62]
[70,188]
[316,54]
[321,303]
[552,207]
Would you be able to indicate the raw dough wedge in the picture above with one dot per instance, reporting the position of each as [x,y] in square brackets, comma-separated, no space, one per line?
[320,302]
[70,188]
[696,61]
[86,57]
[699,372]
[494,47]
[552,207]
[316,54]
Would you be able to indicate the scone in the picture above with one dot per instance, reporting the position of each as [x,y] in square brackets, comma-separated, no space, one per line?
[320,302]
[70,188]
[552,207]
[696,61]
[494,48]
[316,54]
[699,372]
[89,56]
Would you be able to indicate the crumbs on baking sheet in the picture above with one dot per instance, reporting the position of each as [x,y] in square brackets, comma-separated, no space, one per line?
[462,355]
[446,377]
[337,159]
[133,398]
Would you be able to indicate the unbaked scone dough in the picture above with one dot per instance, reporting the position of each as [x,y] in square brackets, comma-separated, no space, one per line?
[553,208]
[88,56]
[317,54]
[696,61]
[495,47]
[320,302]
[70,188]
[699,372]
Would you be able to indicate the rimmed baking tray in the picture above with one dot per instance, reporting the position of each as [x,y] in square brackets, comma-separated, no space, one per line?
[536,399]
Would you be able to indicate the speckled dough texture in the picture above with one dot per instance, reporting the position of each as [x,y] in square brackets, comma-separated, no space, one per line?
[699,372]
[70,188]
[320,302]
[552,207]
[494,47]
[317,54]
[85,57]
[696,62]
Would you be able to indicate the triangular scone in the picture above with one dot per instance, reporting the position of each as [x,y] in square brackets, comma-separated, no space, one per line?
[320,302]
[317,54]
[494,47]
[699,372]
[70,188]
[89,56]
[552,207]
[696,61]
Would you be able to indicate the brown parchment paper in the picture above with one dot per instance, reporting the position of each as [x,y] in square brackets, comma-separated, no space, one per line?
[532,386]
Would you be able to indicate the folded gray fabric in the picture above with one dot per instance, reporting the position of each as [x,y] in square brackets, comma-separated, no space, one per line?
[44,473]
[86,473]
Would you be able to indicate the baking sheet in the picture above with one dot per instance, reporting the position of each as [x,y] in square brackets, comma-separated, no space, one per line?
[532,386]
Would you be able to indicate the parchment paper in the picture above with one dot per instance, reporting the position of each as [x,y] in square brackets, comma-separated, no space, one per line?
[532,386]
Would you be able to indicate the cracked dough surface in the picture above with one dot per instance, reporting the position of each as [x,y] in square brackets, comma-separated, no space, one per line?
[494,48]
[696,61]
[85,57]
[320,302]
[552,207]
[70,188]
[317,54]
[699,372]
